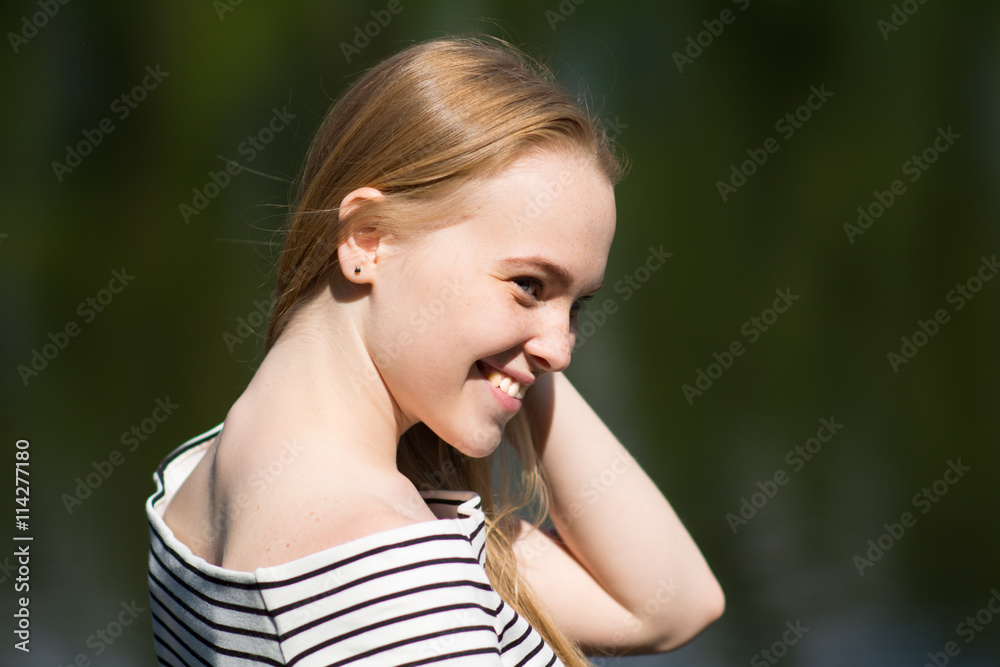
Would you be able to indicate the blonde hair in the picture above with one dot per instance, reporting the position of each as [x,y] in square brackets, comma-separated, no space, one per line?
[418,126]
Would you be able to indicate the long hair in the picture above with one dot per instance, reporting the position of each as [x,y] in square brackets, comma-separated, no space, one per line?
[418,126]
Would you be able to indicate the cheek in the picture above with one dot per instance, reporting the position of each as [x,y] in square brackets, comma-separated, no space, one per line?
[426,328]
[434,328]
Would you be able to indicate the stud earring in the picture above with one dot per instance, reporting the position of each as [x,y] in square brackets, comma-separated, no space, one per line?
[357,270]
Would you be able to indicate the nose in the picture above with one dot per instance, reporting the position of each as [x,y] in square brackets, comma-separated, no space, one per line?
[551,345]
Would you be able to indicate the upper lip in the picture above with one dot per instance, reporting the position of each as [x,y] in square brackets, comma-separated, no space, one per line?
[521,378]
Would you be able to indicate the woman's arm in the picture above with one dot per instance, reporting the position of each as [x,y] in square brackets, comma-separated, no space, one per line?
[617,527]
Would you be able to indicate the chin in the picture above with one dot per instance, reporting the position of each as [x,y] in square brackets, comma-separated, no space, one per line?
[468,428]
[479,442]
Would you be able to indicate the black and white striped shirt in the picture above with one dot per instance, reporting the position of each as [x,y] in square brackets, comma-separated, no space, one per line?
[412,595]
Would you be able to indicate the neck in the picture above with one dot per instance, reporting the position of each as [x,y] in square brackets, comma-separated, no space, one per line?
[319,373]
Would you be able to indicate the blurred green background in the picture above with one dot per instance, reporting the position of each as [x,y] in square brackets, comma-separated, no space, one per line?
[687,113]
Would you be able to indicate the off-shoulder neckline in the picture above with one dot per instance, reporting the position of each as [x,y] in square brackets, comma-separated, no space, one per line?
[468,521]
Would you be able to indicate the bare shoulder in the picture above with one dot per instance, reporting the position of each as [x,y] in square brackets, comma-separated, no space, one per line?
[278,511]
[292,524]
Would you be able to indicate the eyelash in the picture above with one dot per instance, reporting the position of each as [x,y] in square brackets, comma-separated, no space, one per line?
[577,305]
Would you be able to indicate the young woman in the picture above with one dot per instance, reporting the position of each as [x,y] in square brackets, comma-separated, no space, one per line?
[456,209]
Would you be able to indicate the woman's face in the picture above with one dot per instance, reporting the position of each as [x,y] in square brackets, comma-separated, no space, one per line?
[497,292]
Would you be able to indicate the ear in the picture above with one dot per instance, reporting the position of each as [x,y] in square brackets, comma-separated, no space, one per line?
[360,250]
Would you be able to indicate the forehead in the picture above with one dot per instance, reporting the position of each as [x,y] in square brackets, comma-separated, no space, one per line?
[553,204]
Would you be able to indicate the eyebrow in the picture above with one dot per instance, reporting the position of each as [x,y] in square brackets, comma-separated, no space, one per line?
[558,273]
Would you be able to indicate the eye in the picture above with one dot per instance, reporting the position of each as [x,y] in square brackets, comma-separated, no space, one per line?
[533,286]
[528,283]
[579,303]
[574,311]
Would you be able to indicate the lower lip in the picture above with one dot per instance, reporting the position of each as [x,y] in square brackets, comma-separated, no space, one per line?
[508,402]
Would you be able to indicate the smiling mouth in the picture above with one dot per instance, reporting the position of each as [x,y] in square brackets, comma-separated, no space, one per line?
[502,381]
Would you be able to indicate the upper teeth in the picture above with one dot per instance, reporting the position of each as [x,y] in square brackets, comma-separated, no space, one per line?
[506,384]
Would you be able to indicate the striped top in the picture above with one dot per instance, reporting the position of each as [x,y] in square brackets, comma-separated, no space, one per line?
[413,595]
